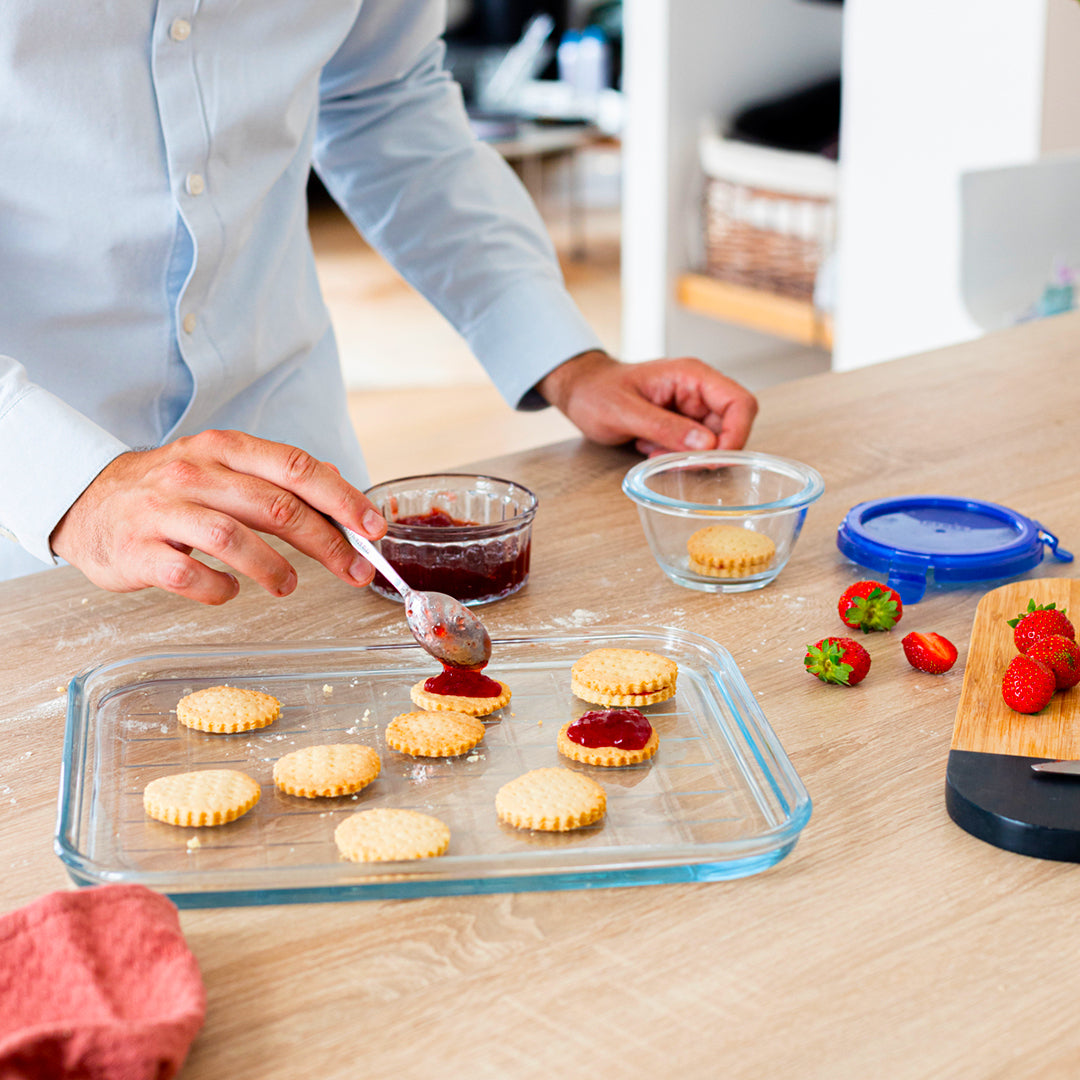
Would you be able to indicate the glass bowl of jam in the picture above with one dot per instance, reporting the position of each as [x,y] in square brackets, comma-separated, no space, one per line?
[463,534]
[722,520]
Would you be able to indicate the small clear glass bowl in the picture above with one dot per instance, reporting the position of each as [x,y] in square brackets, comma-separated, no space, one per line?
[679,494]
[483,555]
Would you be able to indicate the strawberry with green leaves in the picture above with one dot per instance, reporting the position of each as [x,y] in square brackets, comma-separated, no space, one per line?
[838,660]
[1061,655]
[1039,621]
[1028,685]
[869,605]
[931,653]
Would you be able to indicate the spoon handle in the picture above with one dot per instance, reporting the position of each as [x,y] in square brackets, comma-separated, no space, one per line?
[374,556]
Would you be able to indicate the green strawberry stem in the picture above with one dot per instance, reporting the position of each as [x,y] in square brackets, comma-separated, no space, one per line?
[1032,606]
[828,663]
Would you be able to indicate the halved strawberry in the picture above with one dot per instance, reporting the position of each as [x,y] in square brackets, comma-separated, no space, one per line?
[1039,621]
[1061,655]
[869,605]
[1028,685]
[838,660]
[931,653]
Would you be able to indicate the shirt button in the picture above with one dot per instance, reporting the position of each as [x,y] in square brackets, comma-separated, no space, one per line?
[180,30]
[190,322]
[195,183]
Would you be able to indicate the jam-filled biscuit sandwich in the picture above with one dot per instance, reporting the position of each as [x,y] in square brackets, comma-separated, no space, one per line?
[631,677]
[728,551]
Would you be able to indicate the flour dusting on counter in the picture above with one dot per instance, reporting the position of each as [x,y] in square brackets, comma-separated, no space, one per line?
[53,706]
[579,617]
[107,632]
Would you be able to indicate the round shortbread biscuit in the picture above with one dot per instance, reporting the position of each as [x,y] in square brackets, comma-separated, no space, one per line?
[624,677]
[315,772]
[551,799]
[598,697]
[227,709]
[471,706]
[434,734]
[384,835]
[729,551]
[608,756]
[207,797]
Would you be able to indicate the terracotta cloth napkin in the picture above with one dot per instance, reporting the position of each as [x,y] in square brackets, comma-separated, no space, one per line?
[97,984]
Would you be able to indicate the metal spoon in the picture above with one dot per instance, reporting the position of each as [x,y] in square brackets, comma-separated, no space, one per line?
[443,625]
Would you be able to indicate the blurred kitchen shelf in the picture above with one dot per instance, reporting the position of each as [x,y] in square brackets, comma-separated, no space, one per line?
[782,316]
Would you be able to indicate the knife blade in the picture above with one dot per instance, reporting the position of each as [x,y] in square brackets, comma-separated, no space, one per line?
[1057,768]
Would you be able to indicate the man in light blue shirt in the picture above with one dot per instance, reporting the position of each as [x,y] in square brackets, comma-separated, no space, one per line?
[165,347]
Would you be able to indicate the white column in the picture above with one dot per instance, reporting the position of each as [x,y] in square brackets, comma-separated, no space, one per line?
[931,90]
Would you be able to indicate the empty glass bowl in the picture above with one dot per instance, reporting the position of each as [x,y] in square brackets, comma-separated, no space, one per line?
[458,533]
[680,496]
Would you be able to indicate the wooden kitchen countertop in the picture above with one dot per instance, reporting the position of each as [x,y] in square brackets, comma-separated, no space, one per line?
[889,943]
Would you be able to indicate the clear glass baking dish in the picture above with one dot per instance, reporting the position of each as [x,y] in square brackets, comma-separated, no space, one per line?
[719,800]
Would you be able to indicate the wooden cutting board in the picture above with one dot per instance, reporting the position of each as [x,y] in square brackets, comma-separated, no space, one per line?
[991,790]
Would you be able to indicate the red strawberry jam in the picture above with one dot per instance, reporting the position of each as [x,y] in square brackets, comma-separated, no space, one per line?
[462,682]
[468,571]
[625,728]
[436,517]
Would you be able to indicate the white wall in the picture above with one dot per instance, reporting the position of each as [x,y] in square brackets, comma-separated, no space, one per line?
[1061,84]
[1021,223]
[931,90]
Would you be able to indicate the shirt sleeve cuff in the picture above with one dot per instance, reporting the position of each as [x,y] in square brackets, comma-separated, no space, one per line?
[50,454]
[525,334]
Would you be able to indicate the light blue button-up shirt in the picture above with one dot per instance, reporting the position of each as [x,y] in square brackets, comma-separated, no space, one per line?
[156,274]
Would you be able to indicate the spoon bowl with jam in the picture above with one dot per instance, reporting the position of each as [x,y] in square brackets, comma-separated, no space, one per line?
[445,627]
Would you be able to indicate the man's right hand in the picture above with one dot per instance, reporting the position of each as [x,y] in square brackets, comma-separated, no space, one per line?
[137,523]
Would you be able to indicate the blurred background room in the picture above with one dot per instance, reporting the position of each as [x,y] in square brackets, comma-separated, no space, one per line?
[779,187]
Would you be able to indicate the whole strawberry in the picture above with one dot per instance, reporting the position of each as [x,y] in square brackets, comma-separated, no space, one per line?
[931,653]
[1040,621]
[838,660]
[1061,655]
[1028,684]
[869,605]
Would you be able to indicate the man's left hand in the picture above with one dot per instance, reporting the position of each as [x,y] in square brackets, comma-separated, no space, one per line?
[662,405]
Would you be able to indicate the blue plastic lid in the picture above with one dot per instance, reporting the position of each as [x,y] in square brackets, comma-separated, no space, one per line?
[955,540]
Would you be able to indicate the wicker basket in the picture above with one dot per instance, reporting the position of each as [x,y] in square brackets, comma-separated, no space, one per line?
[769,216]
